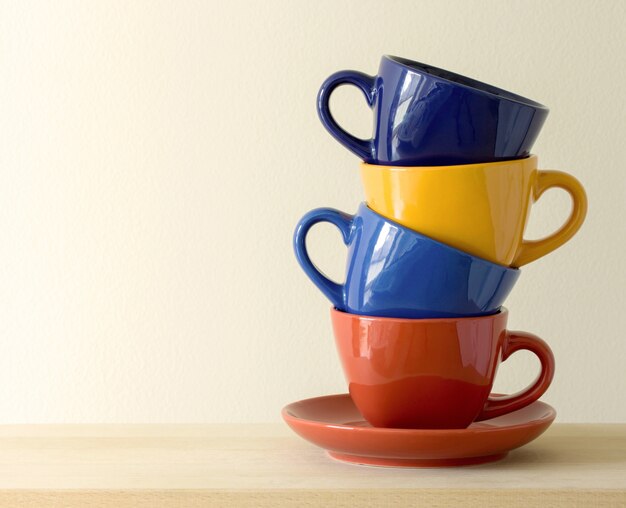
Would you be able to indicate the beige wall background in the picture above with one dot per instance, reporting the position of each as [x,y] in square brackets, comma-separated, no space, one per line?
[155,157]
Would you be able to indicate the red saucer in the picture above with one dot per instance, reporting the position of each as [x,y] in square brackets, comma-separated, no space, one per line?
[335,424]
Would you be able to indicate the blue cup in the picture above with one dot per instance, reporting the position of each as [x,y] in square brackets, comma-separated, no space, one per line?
[393,271]
[425,116]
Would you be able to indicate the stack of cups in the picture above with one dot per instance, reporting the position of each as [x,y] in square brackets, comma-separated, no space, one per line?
[435,249]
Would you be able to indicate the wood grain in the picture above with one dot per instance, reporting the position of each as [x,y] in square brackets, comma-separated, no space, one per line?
[267,465]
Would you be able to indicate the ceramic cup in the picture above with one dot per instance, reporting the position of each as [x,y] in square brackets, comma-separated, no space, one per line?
[478,208]
[396,272]
[425,116]
[433,373]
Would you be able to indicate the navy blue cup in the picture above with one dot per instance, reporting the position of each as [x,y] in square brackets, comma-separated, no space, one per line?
[425,116]
[393,271]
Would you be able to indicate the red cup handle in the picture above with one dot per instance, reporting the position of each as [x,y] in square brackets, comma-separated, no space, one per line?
[515,341]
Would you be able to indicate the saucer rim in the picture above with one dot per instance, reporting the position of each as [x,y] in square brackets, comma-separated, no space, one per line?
[548,418]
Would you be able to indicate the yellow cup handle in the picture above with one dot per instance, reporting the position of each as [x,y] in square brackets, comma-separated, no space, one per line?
[530,250]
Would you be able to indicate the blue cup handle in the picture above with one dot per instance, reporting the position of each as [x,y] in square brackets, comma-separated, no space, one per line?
[364,148]
[343,221]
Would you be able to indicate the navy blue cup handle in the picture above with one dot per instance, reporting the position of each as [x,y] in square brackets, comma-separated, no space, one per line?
[363,148]
[343,221]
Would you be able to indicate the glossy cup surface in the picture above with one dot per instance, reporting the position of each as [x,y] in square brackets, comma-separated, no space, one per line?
[478,208]
[429,116]
[396,272]
[432,373]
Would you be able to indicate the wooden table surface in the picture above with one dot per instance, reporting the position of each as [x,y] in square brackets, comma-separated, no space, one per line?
[268,465]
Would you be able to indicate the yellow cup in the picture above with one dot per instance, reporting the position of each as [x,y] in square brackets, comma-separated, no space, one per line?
[478,208]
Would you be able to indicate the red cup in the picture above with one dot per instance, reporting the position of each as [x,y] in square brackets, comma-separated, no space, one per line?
[433,373]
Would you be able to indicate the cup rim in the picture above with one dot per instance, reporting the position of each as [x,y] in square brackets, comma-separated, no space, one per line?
[502,312]
[465,82]
[464,167]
